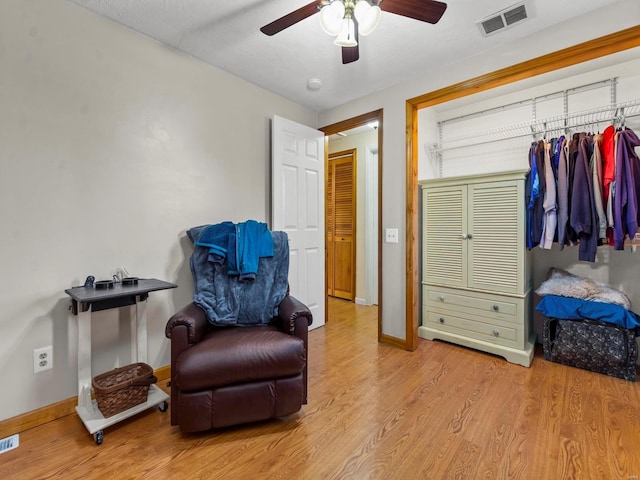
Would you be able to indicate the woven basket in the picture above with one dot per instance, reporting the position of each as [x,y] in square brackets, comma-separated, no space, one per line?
[122,388]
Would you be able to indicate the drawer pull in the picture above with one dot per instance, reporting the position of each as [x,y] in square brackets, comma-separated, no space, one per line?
[441,298]
[496,333]
[496,307]
[441,319]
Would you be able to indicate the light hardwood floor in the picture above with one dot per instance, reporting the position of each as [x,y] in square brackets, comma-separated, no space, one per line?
[377,412]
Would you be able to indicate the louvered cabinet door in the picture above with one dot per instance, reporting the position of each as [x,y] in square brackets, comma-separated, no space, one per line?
[330,230]
[496,237]
[343,246]
[476,269]
[341,220]
[444,231]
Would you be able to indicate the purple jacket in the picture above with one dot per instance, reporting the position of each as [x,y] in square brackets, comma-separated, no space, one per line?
[625,207]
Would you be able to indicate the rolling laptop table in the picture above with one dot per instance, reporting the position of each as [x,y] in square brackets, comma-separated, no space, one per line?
[88,299]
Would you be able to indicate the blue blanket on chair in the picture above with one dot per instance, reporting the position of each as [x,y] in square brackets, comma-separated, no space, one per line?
[229,301]
[241,245]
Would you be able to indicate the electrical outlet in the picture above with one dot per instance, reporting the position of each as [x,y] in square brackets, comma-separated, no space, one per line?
[391,235]
[42,359]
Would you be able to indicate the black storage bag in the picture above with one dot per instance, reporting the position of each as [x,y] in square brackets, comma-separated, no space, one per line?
[597,346]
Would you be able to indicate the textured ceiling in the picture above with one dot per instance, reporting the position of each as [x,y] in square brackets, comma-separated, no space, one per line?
[225,33]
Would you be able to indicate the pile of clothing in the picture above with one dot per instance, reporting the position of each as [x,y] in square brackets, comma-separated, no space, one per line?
[584,190]
[572,297]
[588,324]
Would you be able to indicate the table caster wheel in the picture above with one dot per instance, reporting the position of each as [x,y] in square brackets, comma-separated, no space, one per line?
[164,406]
[98,436]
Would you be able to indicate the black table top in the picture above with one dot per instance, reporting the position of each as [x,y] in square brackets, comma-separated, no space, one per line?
[144,285]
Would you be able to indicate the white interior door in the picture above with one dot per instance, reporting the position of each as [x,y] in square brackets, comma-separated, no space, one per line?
[297,200]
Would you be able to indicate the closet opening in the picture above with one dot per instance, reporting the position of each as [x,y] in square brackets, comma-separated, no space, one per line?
[601,49]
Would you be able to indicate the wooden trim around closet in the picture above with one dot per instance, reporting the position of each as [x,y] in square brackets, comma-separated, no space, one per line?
[412,266]
[348,125]
[582,52]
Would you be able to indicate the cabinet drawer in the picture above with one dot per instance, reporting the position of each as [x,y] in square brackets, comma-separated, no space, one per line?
[471,328]
[482,304]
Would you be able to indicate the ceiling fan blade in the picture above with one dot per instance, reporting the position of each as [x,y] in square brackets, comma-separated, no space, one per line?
[291,18]
[429,11]
[351,54]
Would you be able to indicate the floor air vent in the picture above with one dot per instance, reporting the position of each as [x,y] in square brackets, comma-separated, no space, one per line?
[9,443]
[503,19]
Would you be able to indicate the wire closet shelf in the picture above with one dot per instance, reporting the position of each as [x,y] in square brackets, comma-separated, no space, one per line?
[547,127]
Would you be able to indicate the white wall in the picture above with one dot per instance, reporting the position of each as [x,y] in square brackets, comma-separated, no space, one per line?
[360,142]
[111,145]
[624,14]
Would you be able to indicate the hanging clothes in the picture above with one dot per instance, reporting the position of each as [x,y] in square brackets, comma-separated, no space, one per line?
[533,185]
[595,164]
[563,193]
[572,236]
[625,208]
[549,201]
[609,176]
[608,154]
[583,215]
[578,188]
[537,214]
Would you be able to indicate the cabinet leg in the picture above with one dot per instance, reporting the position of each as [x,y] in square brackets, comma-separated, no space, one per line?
[84,355]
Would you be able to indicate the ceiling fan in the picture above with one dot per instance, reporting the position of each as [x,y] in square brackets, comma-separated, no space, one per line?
[347,19]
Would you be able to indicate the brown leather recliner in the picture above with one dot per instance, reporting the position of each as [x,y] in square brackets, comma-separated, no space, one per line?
[223,376]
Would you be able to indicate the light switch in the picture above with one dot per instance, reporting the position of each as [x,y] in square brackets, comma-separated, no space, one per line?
[391,235]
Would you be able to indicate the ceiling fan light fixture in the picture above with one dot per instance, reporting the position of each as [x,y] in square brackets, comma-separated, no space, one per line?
[368,16]
[331,17]
[347,36]
[350,18]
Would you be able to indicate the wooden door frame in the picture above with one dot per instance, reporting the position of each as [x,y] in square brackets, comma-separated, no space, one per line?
[353,153]
[582,52]
[348,124]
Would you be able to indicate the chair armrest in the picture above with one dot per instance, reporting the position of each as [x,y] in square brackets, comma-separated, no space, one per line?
[185,328]
[293,315]
[295,318]
[193,318]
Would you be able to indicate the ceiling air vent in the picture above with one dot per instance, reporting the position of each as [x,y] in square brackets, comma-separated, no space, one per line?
[503,19]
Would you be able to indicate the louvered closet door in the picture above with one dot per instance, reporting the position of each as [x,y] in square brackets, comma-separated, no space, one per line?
[496,223]
[341,245]
[444,254]
[330,229]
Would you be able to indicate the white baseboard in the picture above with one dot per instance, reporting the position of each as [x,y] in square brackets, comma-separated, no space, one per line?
[361,301]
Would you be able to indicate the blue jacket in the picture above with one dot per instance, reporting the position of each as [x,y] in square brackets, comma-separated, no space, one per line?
[242,246]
